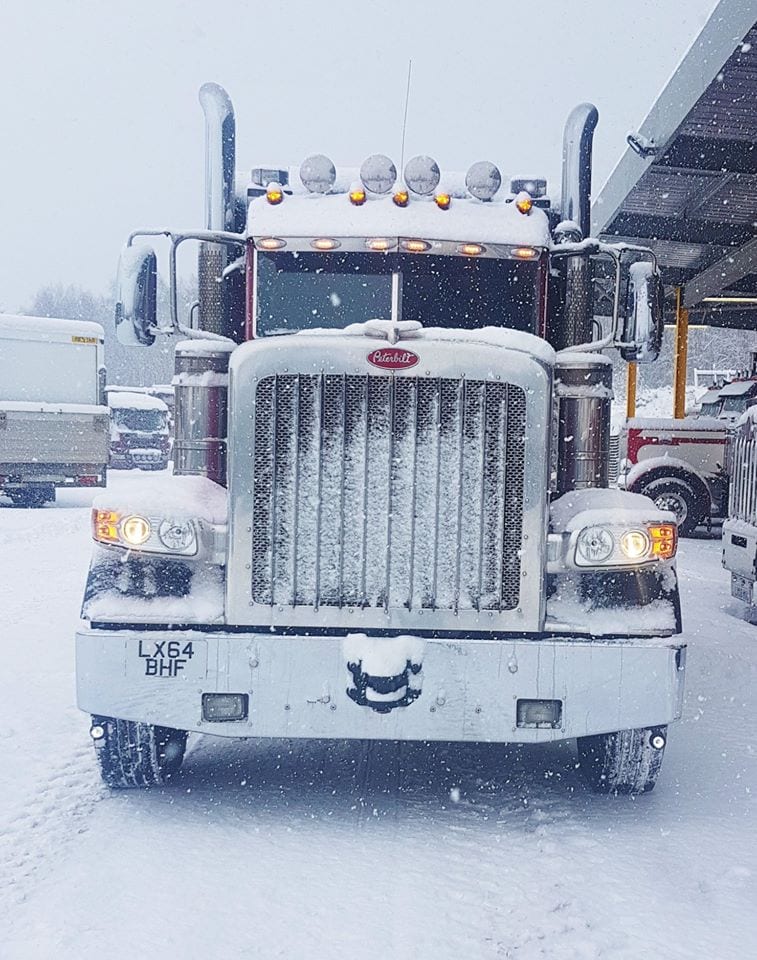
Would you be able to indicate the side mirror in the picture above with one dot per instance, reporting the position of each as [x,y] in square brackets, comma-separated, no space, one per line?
[137,300]
[642,321]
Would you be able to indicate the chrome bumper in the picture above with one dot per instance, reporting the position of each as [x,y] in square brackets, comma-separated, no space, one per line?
[459,690]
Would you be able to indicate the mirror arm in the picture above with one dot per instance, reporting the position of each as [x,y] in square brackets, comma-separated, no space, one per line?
[207,236]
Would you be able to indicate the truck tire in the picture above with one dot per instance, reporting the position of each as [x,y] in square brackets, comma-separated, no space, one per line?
[34,495]
[627,761]
[678,497]
[132,754]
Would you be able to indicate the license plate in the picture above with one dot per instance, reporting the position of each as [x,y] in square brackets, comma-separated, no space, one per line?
[167,659]
[741,588]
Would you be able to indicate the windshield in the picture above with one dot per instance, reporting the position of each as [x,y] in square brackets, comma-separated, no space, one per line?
[297,291]
[735,404]
[135,419]
[710,409]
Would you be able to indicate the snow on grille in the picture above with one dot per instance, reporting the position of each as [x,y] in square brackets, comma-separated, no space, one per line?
[742,465]
[387,492]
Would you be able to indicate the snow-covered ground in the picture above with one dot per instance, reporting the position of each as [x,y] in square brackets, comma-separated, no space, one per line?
[291,850]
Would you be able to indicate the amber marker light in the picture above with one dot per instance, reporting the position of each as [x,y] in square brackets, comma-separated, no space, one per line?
[270,243]
[357,197]
[324,243]
[525,253]
[664,537]
[523,202]
[105,525]
[416,246]
[443,201]
[471,249]
[274,194]
[401,198]
[380,244]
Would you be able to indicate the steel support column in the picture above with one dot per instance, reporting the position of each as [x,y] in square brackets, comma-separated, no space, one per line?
[631,390]
[681,356]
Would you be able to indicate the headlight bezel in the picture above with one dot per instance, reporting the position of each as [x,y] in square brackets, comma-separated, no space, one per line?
[660,539]
[108,529]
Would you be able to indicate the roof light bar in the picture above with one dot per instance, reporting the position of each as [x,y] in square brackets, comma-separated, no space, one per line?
[324,243]
[270,243]
[471,249]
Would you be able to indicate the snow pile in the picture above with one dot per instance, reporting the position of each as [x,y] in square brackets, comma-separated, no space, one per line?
[201,347]
[135,401]
[183,497]
[315,215]
[383,656]
[203,604]
[14,327]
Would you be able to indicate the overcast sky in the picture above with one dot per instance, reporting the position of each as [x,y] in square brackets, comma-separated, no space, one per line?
[102,131]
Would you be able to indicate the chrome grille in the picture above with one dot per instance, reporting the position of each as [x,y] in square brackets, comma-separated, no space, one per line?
[373,491]
[614,462]
[741,463]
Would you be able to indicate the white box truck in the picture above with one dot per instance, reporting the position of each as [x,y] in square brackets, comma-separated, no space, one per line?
[54,424]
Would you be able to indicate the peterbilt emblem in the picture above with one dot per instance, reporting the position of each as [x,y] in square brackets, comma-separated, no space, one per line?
[393,358]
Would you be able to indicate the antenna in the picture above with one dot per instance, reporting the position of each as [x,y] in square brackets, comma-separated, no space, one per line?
[404,121]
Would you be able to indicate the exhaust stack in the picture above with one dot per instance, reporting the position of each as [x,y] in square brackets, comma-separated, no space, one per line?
[219,206]
[576,165]
[576,209]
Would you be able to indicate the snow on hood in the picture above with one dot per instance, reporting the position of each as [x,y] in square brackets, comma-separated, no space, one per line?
[412,332]
[581,508]
[183,497]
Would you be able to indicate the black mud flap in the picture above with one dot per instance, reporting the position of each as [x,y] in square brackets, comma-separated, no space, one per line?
[367,689]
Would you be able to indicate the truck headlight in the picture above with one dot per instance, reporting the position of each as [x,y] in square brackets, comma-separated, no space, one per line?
[177,535]
[607,545]
[146,534]
[594,545]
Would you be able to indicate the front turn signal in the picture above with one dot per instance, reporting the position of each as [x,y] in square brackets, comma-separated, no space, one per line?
[664,538]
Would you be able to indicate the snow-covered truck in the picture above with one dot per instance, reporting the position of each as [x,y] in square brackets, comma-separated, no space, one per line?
[53,417]
[389,515]
[740,528]
[139,432]
[680,464]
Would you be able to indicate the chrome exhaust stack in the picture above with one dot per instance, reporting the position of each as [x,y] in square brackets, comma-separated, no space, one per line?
[576,221]
[577,143]
[219,206]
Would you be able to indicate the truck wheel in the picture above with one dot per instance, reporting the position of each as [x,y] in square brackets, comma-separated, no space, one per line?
[676,496]
[35,495]
[624,762]
[134,754]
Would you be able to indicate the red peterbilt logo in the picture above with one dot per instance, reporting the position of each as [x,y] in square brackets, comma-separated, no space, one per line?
[393,358]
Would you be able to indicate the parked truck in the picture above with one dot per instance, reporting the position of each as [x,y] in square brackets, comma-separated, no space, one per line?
[740,527]
[139,432]
[680,464]
[53,418]
[389,515]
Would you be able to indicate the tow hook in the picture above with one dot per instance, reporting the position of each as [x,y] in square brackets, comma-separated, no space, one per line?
[383,694]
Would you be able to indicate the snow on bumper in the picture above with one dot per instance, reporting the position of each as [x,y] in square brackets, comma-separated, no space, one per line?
[328,687]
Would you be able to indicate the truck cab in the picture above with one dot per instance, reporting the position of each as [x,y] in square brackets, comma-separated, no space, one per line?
[139,431]
[389,515]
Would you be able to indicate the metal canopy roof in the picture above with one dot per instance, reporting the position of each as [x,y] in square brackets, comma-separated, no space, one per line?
[693,198]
